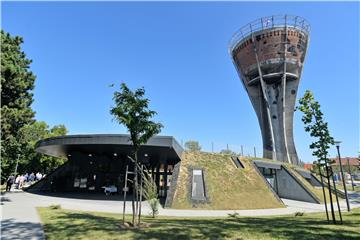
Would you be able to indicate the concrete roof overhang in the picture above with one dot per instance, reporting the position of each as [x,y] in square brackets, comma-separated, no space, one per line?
[108,144]
[265,164]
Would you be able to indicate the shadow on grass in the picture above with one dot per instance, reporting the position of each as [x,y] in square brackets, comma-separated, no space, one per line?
[76,225]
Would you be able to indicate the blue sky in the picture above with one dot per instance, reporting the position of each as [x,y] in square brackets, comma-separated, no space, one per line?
[178,52]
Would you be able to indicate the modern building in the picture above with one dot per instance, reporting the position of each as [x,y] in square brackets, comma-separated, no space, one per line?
[97,161]
[269,55]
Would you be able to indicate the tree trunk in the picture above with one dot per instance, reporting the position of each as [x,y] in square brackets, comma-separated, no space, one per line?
[336,195]
[125,189]
[135,188]
[323,189]
[330,195]
[133,203]
[141,192]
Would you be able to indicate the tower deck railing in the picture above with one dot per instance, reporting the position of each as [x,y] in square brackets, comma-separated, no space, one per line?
[267,23]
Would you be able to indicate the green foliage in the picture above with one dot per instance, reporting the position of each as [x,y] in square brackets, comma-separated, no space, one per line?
[316,126]
[19,130]
[234,215]
[131,110]
[227,151]
[192,146]
[299,214]
[30,135]
[149,188]
[154,206]
[150,192]
[55,206]
[17,83]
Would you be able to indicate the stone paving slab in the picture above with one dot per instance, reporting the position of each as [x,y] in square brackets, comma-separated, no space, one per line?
[19,218]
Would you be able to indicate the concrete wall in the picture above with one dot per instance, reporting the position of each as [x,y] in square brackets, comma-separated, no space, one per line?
[315,181]
[291,188]
[174,182]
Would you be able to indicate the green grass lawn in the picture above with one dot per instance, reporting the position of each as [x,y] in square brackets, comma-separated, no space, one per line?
[228,187]
[348,187]
[66,224]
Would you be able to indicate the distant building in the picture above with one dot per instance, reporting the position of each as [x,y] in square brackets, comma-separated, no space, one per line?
[353,161]
[308,166]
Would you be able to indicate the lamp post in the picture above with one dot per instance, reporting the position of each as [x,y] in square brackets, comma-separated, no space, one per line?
[337,144]
[17,163]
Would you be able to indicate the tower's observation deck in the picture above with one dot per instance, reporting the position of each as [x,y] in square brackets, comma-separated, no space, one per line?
[269,54]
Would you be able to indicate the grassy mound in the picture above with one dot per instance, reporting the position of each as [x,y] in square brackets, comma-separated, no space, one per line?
[228,187]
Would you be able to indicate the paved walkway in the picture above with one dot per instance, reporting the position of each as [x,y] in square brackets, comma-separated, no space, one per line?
[20,219]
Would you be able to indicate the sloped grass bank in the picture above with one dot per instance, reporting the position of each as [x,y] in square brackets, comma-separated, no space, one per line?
[316,190]
[228,187]
[66,224]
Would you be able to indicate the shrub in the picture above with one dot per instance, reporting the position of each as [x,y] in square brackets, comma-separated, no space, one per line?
[54,207]
[154,206]
[299,214]
[234,215]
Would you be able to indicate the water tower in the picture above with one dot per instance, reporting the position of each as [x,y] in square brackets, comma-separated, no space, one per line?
[269,54]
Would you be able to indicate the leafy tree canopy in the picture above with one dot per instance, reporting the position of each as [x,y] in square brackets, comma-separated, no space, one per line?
[19,130]
[192,146]
[318,128]
[227,151]
[31,160]
[132,110]
[17,83]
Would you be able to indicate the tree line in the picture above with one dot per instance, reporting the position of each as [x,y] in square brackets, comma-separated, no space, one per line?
[19,128]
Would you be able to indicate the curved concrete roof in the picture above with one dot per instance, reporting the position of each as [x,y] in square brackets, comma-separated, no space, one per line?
[62,146]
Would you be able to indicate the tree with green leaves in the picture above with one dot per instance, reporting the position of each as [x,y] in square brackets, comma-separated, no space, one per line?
[318,129]
[30,135]
[227,151]
[132,110]
[17,84]
[192,146]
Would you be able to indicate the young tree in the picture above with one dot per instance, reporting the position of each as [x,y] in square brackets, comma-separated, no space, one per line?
[192,146]
[318,128]
[17,84]
[131,109]
[150,192]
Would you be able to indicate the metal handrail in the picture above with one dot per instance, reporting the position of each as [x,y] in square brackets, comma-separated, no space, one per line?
[263,23]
